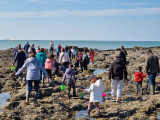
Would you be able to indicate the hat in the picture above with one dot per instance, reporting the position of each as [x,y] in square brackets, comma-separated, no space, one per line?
[19,44]
[92,76]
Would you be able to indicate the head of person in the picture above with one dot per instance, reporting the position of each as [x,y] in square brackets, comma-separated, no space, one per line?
[84,52]
[42,50]
[71,66]
[72,47]
[19,48]
[149,51]
[116,58]
[51,41]
[27,42]
[32,55]
[122,47]
[79,53]
[62,50]
[38,46]
[139,68]
[19,45]
[93,79]
[59,45]
[90,49]
[33,45]
[51,57]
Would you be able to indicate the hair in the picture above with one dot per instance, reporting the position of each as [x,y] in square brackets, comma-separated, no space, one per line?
[70,66]
[19,47]
[32,55]
[122,47]
[42,49]
[51,57]
[140,68]
[32,44]
[94,80]
[62,50]
[84,51]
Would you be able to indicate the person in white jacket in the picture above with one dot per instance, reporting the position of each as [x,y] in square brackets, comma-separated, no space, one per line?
[96,89]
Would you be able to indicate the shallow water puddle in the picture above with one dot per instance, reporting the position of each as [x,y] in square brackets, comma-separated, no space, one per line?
[128,95]
[81,115]
[3,98]
[98,71]
[158,116]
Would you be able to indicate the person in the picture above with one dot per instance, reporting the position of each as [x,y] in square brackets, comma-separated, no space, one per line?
[64,60]
[15,50]
[152,69]
[32,65]
[80,60]
[59,47]
[91,54]
[69,76]
[41,56]
[20,58]
[49,67]
[66,48]
[57,51]
[74,53]
[117,71]
[85,61]
[32,49]
[51,48]
[123,54]
[69,52]
[96,89]
[138,79]
[56,68]
[38,49]
[26,47]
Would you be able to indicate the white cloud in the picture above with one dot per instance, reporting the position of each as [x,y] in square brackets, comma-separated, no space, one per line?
[94,13]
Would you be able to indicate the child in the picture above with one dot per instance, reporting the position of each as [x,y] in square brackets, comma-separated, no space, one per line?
[139,78]
[49,67]
[76,64]
[69,76]
[96,89]
[56,68]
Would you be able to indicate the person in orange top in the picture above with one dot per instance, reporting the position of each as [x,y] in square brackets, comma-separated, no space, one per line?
[139,78]
[91,54]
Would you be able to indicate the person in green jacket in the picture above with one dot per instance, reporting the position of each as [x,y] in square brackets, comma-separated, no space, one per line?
[41,56]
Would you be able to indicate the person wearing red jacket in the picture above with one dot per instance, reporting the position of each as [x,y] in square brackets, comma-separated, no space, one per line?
[91,54]
[80,61]
[138,79]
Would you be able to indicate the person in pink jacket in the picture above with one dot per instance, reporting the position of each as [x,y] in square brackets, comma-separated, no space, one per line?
[49,67]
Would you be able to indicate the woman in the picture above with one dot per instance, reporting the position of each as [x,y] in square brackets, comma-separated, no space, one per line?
[33,67]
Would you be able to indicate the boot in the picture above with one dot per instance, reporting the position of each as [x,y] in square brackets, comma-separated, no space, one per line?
[86,71]
[83,71]
[35,97]
[151,89]
[27,97]
[56,77]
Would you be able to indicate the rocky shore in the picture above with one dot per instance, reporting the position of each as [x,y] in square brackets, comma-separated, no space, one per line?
[55,105]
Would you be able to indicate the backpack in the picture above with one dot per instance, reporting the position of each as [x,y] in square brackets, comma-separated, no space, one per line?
[57,50]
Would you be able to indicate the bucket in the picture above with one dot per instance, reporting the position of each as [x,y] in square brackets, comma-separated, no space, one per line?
[81,95]
[63,87]
[12,68]
[103,94]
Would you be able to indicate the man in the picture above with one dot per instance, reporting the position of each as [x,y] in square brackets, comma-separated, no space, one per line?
[152,69]
[117,72]
[15,50]
[85,61]
[20,58]
[32,49]
[51,47]
[91,54]
[26,47]
[123,54]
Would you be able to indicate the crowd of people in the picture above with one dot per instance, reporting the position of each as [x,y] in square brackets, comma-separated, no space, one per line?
[40,67]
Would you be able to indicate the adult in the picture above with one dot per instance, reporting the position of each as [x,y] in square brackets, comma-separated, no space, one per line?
[15,50]
[91,54]
[32,49]
[41,56]
[152,69]
[117,72]
[20,59]
[85,61]
[123,54]
[51,48]
[26,47]
[33,66]
[64,60]
[80,61]
[59,47]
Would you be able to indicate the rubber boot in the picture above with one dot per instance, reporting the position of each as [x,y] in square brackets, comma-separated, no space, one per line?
[27,97]
[83,71]
[86,71]
[151,89]
[56,77]
[35,97]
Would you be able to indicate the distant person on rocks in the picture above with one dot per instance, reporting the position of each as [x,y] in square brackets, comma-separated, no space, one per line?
[91,54]
[26,47]
[64,60]
[51,48]
[15,50]
[69,76]
[85,61]
[117,72]
[57,51]
[80,60]
[56,68]
[33,66]
[123,54]
[32,49]
[59,47]
[38,49]
[41,56]
[96,89]
[152,69]
[20,58]
[138,79]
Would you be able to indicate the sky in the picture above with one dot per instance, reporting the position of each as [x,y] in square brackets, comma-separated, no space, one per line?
[131,20]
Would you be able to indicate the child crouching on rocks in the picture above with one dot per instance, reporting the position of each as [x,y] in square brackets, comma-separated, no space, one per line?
[69,76]
[96,89]
[138,79]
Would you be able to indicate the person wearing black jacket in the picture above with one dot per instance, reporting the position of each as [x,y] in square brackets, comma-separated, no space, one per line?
[117,72]
[123,54]
[26,47]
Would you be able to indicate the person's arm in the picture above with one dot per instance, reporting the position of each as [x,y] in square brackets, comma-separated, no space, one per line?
[64,78]
[125,73]
[15,59]
[60,58]
[158,65]
[73,76]
[23,68]
[147,65]
[90,89]
[143,75]
[68,58]
[110,72]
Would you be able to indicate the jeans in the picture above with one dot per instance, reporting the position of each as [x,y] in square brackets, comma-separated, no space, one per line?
[51,50]
[139,85]
[65,65]
[69,89]
[152,77]
[116,87]
[36,85]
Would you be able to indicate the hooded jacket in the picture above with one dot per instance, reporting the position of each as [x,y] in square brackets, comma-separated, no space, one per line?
[33,67]
[26,46]
[123,55]
[32,50]
[64,57]
[49,64]
[41,56]
[139,76]
[96,89]
[20,58]
[117,69]
[69,76]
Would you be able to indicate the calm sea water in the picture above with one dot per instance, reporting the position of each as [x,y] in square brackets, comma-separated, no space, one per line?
[102,45]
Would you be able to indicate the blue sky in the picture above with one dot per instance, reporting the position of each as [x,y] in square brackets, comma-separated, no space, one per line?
[80,20]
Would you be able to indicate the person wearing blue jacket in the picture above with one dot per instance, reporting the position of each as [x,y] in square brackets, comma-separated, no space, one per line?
[33,67]
[41,56]
[26,47]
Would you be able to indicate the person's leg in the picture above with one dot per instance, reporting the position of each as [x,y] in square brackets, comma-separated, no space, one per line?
[29,88]
[74,90]
[151,82]
[69,89]
[36,88]
[137,87]
[114,89]
[119,89]
[98,108]
[154,81]
[63,68]
[81,67]
[89,108]
[141,89]
[56,74]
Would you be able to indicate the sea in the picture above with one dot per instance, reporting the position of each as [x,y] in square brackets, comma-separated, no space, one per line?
[101,45]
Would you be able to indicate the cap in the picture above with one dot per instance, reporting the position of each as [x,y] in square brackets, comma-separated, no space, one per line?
[19,44]
[92,76]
